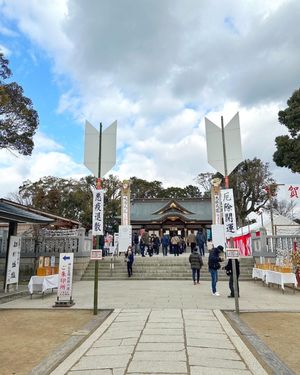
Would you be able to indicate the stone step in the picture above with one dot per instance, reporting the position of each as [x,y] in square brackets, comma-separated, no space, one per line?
[158,268]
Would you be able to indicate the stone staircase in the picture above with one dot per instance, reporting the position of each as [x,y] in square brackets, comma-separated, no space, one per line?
[158,268]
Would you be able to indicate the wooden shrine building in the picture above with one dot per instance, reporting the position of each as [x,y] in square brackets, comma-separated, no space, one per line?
[169,215]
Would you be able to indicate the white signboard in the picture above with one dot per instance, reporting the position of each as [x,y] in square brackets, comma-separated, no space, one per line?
[125,237]
[218,207]
[293,191]
[125,209]
[214,142]
[13,264]
[64,292]
[96,254]
[108,148]
[232,253]
[98,208]
[228,212]
[218,235]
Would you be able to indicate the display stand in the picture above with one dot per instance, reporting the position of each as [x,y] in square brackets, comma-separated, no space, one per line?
[64,292]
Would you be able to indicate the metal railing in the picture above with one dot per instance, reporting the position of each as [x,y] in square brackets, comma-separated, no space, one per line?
[267,246]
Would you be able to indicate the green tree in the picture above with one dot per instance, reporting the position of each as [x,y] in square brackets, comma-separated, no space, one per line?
[191,191]
[288,146]
[144,189]
[249,182]
[112,203]
[73,199]
[18,119]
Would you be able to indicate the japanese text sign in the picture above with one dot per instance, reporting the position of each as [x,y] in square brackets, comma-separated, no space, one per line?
[228,212]
[218,210]
[98,208]
[96,254]
[125,210]
[64,292]
[13,264]
[232,253]
[293,191]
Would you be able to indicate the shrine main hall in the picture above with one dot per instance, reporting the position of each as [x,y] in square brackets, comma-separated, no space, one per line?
[182,215]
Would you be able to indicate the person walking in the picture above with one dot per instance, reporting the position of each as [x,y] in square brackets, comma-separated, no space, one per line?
[175,244]
[145,239]
[156,244]
[196,262]
[214,260]
[201,241]
[191,240]
[136,243]
[229,272]
[165,243]
[129,258]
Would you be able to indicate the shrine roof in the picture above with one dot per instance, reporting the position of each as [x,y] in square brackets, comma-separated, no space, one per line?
[192,209]
[10,212]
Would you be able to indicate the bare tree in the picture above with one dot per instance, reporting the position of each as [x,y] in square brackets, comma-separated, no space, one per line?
[283,207]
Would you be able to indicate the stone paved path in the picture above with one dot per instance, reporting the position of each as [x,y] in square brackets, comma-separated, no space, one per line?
[162,341]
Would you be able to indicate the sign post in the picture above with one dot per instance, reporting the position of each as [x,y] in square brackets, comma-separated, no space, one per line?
[233,254]
[13,264]
[224,153]
[99,158]
[224,150]
[65,280]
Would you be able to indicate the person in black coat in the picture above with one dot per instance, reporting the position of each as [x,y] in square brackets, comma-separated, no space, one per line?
[214,260]
[229,272]
[196,262]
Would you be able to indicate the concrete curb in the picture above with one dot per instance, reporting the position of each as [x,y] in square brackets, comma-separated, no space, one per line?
[252,363]
[70,361]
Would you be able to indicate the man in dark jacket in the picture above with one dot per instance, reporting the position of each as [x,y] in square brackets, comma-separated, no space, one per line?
[196,264]
[229,272]
[201,241]
[165,242]
[214,260]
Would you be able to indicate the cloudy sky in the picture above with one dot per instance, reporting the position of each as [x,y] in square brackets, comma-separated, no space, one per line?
[158,68]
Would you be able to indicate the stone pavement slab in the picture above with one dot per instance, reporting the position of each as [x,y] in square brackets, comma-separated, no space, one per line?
[171,295]
[176,351]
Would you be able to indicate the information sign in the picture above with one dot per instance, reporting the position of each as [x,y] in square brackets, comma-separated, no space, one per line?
[228,212]
[13,265]
[98,208]
[232,253]
[64,292]
[96,254]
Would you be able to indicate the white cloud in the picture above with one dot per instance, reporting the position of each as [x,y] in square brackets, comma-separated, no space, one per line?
[6,51]
[159,68]
[47,159]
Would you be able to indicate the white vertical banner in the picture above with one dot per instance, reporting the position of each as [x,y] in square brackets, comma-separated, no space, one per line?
[13,264]
[292,192]
[125,210]
[228,212]
[64,292]
[125,203]
[125,237]
[218,207]
[98,208]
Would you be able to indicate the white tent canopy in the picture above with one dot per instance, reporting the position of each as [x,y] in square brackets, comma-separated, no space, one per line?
[282,226]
